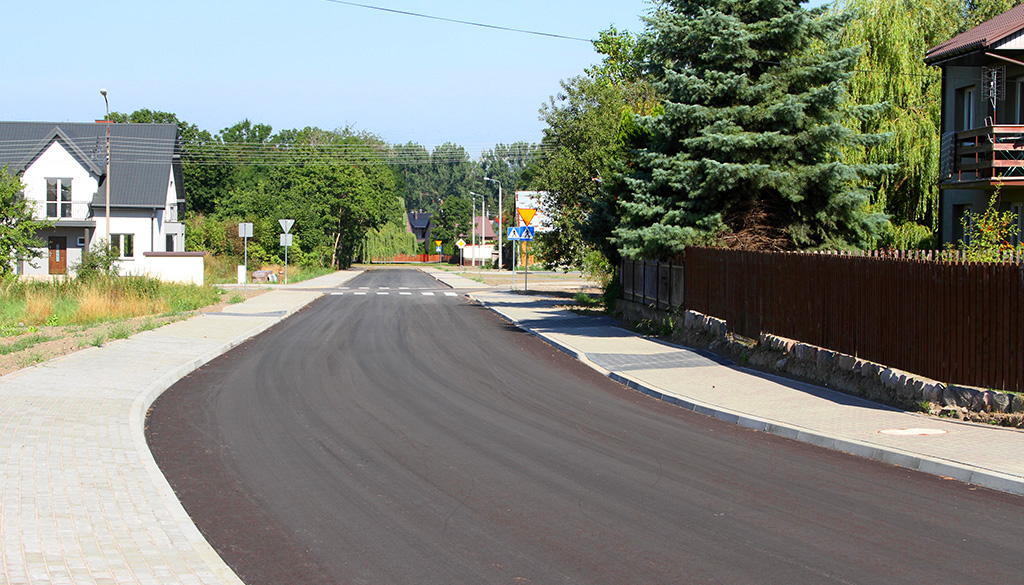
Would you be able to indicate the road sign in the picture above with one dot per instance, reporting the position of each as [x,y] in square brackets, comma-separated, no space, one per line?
[286,240]
[527,214]
[461,243]
[438,249]
[523,233]
[245,230]
[437,243]
[286,224]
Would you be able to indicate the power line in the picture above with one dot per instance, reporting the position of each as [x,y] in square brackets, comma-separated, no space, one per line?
[465,22]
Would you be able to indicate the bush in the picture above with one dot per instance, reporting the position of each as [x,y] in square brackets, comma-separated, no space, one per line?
[101,260]
[909,236]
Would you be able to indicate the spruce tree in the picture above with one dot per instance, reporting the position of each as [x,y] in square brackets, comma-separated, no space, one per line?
[749,149]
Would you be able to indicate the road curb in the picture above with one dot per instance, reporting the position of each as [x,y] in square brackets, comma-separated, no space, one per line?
[984,478]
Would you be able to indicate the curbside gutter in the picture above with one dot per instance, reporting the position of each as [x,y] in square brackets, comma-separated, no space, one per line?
[964,473]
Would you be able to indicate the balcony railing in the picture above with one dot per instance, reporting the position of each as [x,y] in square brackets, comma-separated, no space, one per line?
[59,212]
[983,157]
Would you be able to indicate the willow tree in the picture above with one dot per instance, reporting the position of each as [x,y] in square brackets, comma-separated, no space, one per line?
[894,35]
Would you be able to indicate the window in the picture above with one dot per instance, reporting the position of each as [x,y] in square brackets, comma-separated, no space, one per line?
[58,198]
[964,118]
[962,228]
[170,243]
[124,244]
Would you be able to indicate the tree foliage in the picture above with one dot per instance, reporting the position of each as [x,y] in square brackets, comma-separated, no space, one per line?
[17,224]
[749,149]
[581,135]
[894,36]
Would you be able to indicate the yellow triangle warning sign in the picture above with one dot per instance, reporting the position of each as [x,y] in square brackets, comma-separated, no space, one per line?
[526,214]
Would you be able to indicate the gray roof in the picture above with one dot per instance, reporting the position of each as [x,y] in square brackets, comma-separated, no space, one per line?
[142,156]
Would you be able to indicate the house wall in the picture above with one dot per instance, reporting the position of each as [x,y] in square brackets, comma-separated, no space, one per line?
[186,267]
[56,163]
[169,221]
[40,267]
[957,79]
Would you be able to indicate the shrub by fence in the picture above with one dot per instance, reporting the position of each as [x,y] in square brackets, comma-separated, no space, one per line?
[956,322]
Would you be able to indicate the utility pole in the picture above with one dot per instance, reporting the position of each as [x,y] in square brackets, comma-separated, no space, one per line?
[103,92]
[501,264]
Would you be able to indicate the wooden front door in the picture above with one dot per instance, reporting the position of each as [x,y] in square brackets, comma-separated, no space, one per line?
[58,255]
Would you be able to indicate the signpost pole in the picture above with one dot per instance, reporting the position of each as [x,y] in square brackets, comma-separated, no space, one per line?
[286,225]
[245,232]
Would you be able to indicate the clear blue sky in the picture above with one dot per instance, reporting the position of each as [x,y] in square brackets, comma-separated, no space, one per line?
[297,63]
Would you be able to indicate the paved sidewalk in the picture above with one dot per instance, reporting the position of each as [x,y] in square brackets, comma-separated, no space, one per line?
[81,499]
[452,279]
[988,456]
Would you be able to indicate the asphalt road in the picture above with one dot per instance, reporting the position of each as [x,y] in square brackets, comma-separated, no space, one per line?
[411,439]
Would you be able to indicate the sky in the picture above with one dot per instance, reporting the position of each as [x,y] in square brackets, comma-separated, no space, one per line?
[298,63]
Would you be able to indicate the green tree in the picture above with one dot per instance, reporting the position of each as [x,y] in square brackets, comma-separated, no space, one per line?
[452,221]
[748,151]
[894,36]
[582,139]
[18,227]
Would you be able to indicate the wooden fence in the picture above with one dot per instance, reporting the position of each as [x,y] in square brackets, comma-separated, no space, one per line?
[657,284]
[955,322]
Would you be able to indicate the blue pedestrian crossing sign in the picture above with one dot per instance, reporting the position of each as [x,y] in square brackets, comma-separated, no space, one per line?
[524,233]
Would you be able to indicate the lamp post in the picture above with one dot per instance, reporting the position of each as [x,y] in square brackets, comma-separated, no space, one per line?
[103,93]
[473,231]
[501,264]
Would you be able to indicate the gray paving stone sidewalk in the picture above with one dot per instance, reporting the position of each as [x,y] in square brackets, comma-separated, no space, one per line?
[989,456]
[81,499]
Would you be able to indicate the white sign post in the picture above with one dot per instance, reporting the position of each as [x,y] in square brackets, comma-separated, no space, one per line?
[286,241]
[245,232]
[462,258]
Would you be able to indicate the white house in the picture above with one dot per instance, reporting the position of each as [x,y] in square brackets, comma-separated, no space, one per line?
[66,178]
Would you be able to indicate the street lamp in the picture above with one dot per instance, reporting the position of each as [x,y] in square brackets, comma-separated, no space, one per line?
[103,93]
[473,225]
[501,264]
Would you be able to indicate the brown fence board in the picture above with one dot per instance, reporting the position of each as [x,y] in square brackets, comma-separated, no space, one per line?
[949,320]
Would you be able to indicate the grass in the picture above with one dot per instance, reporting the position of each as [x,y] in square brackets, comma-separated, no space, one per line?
[224,270]
[24,343]
[586,300]
[63,302]
[120,331]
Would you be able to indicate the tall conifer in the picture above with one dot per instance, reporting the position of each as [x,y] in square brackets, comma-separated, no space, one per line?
[748,151]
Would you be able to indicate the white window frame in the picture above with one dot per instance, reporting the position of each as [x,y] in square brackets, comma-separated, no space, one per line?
[61,206]
[123,243]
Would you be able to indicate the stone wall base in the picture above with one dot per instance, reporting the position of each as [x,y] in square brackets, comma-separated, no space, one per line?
[845,373]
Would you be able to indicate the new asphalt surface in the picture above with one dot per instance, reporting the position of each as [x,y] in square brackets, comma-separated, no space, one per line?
[82,500]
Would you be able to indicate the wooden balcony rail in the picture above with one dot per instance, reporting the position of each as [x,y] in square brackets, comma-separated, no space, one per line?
[983,157]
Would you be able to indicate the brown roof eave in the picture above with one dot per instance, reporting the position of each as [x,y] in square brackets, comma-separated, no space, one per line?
[950,54]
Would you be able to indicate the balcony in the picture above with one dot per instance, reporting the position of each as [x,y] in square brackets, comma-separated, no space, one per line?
[982,158]
[69,214]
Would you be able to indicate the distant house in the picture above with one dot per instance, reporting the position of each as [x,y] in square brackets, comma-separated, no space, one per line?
[63,167]
[982,120]
[421,225]
[482,228]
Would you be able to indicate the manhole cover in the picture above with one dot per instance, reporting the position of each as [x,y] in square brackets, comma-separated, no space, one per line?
[913,432]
